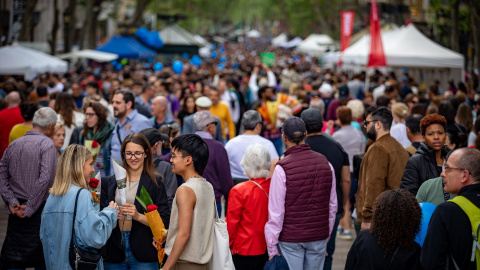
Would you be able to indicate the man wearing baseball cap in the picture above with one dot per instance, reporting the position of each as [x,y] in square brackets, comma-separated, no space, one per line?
[202,104]
[302,203]
[155,138]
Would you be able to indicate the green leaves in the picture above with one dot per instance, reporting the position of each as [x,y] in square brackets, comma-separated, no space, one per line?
[144,198]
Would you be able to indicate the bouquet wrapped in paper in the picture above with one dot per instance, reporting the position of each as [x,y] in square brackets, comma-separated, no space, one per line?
[95,185]
[154,220]
[121,177]
[94,148]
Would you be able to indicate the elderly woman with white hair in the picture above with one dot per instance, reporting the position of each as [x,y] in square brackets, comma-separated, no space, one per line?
[248,211]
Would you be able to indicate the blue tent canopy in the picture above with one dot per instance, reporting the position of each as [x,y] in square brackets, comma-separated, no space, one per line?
[126,47]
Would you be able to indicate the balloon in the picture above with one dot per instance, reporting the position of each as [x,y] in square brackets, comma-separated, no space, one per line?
[158,66]
[124,61]
[185,55]
[196,60]
[214,54]
[119,66]
[146,65]
[213,47]
[223,59]
[222,50]
[114,63]
[221,67]
[177,67]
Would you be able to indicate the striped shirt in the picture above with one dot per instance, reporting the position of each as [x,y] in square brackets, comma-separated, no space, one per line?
[27,170]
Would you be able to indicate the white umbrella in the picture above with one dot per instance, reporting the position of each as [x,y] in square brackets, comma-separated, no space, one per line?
[90,54]
[253,34]
[17,60]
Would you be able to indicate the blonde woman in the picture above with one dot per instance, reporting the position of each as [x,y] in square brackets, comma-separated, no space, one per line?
[58,138]
[92,229]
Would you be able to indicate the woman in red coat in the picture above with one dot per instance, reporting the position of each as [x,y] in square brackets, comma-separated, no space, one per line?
[248,211]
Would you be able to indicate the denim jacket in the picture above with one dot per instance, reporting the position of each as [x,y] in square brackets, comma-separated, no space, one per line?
[92,229]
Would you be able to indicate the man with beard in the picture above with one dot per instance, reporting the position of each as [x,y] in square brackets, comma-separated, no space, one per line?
[382,166]
[128,121]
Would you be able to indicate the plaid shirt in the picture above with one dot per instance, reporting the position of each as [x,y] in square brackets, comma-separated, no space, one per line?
[27,170]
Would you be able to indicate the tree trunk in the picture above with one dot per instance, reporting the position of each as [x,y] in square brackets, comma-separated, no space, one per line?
[86,25]
[27,22]
[69,24]
[475,15]
[139,10]
[454,33]
[53,40]
[89,31]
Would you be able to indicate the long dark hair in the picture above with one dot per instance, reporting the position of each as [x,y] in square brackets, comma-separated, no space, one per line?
[102,114]
[65,105]
[184,106]
[148,166]
[396,219]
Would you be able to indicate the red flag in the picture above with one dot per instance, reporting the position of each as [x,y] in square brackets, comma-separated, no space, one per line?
[376,57]
[346,25]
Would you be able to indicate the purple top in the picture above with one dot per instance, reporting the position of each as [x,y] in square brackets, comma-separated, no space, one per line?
[217,171]
[27,170]
[276,208]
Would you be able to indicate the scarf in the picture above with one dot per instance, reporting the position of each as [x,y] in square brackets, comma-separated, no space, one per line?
[101,135]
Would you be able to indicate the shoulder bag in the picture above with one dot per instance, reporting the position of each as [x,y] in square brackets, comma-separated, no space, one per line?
[79,258]
[221,258]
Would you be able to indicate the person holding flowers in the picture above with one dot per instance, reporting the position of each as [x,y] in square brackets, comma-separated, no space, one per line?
[130,247]
[92,229]
[95,135]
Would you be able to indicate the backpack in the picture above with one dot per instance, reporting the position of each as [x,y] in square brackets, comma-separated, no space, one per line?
[473,213]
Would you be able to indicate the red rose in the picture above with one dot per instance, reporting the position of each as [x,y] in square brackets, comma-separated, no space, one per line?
[93,182]
[152,207]
[94,144]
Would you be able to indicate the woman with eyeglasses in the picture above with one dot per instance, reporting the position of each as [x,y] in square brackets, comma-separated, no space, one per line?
[130,247]
[428,162]
[95,132]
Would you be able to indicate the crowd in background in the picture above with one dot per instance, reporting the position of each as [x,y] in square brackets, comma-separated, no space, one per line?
[238,105]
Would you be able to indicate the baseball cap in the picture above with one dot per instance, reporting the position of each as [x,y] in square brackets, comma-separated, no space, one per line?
[203,102]
[400,109]
[312,116]
[294,128]
[343,91]
[153,135]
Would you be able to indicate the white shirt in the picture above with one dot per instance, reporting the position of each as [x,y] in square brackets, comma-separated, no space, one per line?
[236,149]
[234,112]
[58,88]
[399,132]
[78,119]
[377,92]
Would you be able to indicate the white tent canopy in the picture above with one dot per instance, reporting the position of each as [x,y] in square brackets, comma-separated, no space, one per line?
[280,39]
[253,34]
[409,48]
[90,54]
[315,44]
[292,43]
[17,60]
[175,35]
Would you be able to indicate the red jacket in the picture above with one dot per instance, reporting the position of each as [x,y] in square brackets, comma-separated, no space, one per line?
[246,217]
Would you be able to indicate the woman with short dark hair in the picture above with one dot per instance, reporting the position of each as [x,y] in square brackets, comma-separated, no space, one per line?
[427,162]
[390,242]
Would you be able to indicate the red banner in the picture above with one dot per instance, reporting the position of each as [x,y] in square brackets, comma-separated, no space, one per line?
[346,25]
[376,57]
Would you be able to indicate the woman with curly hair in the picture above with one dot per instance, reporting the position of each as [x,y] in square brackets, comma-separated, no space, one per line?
[389,244]
[427,163]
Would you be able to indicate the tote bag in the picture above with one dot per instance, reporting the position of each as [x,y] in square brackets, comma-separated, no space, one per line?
[221,258]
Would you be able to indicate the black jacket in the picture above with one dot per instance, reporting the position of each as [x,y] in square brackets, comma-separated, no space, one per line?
[140,235]
[421,167]
[367,254]
[450,232]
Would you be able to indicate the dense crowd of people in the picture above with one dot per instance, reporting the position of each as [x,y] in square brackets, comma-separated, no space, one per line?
[293,156]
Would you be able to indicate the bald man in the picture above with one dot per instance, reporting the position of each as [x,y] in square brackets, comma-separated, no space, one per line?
[159,112]
[9,117]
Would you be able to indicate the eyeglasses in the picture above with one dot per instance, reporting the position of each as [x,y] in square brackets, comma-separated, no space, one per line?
[448,169]
[90,114]
[129,155]
[174,156]
[212,123]
[365,122]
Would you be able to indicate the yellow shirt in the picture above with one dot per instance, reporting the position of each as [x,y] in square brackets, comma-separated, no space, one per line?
[17,131]
[221,111]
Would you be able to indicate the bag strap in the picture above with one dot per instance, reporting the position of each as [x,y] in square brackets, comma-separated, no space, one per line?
[215,210]
[74,216]
[259,187]
[118,134]
[473,213]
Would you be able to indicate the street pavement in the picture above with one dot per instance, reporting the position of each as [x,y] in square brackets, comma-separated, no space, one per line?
[339,257]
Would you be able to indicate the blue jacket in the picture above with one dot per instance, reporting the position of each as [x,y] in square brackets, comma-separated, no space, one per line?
[92,229]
